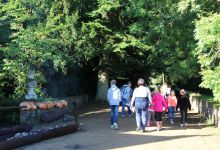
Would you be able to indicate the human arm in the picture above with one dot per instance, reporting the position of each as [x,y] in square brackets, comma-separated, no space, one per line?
[188,103]
[133,98]
[108,96]
[119,95]
[165,104]
[149,96]
[178,104]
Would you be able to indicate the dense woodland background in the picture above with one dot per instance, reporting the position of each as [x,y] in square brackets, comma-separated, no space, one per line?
[77,46]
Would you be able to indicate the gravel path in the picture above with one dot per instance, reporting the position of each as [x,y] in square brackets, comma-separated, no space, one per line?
[97,135]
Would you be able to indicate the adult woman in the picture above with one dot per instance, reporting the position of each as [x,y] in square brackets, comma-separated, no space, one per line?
[142,98]
[184,104]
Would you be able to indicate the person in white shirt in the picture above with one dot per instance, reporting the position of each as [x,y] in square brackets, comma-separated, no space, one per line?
[114,98]
[164,89]
[142,98]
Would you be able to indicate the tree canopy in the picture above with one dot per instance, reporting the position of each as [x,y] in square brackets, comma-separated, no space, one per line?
[126,39]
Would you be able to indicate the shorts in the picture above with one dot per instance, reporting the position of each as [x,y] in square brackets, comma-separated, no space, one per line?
[158,116]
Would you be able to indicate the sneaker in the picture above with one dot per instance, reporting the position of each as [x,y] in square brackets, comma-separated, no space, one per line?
[130,115]
[182,125]
[122,116]
[138,129]
[142,131]
[171,122]
[112,126]
[115,126]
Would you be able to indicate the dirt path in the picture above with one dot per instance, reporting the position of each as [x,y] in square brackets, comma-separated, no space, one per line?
[96,135]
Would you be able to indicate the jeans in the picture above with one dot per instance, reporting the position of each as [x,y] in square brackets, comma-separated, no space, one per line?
[148,115]
[171,112]
[114,114]
[141,109]
[123,107]
[183,114]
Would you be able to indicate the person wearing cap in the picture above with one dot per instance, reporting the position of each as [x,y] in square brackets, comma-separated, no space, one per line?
[126,93]
[114,98]
[141,97]
[184,104]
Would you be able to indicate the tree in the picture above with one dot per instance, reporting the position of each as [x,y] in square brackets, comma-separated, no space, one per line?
[42,31]
[208,51]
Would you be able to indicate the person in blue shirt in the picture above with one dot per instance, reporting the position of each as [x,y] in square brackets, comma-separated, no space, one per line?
[126,92]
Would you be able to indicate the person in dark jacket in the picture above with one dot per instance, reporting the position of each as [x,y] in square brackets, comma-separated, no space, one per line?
[184,104]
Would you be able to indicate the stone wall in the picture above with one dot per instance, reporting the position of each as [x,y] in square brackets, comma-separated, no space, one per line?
[208,110]
[33,117]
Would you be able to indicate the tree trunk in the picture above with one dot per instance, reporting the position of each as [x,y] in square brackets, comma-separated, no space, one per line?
[102,87]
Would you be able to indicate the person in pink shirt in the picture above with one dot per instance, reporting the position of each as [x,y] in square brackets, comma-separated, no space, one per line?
[159,103]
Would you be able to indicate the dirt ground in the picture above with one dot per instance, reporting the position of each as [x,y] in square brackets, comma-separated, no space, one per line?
[97,135]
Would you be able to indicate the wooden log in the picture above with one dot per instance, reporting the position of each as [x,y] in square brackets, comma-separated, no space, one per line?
[21,141]
[59,131]
[53,115]
[15,129]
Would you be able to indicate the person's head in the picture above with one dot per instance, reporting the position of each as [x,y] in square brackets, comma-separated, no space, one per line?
[164,83]
[129,83]
[172,93]
[182,92]
[160,89]
[113,82]
[157,89]
[141,82]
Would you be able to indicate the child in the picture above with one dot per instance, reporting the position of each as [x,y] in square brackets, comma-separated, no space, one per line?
[150,114]
[158,102]
[171,101]
[114,98]
[183,103]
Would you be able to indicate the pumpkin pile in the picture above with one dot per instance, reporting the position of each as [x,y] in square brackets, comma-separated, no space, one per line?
[42,105]
[28,105]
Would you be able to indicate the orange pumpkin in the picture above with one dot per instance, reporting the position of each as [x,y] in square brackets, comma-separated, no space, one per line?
[64,103]
[49,104]
[58,104]
[42,106]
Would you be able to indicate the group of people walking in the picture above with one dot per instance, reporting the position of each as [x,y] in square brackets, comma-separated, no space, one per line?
[148,107]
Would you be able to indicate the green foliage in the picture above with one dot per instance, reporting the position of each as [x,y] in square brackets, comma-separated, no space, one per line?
[128,39]
[208,51]
[42,31]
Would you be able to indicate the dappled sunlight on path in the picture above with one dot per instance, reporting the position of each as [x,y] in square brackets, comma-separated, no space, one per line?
[97,135]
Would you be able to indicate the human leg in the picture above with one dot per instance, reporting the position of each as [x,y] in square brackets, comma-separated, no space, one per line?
[186,116]
[171,114]
[123,108]
[143,118]
[153,116]
[138,118]
[112,115]
[148,118]
[116,114]
[182,113]
[129,111]
[116,117]
[158,117]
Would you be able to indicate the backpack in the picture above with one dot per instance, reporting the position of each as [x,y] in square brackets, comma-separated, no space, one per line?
[122,89]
